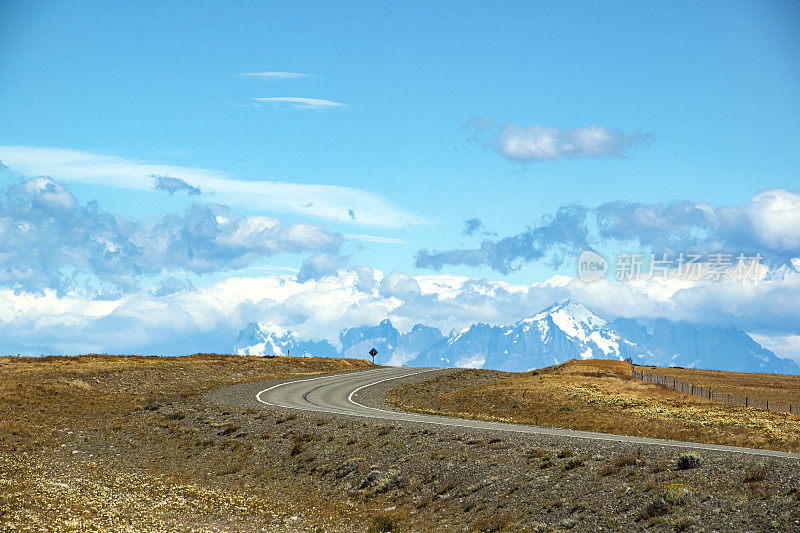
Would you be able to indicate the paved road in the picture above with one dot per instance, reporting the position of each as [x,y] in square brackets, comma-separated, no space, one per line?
[338,394]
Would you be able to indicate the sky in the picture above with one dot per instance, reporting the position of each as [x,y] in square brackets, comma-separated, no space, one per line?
[176,170]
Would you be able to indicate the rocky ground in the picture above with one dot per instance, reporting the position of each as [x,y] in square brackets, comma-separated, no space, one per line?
[207,462]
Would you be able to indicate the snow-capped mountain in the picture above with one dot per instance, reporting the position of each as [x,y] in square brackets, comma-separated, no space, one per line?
[262,339]
[682,344]
[564,331]
[393,348]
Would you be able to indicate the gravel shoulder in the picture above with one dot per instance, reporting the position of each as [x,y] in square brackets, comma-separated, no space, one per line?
[465,480]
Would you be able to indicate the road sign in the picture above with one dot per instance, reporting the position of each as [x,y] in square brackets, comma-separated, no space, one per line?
[373,352]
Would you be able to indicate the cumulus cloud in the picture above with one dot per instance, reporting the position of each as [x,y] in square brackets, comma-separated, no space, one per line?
[320,265]
[331,202]
[399,285]
[170,285]
[544,143]
[173,185]
[553,238]
[209,318]
[768,225]
[48,240]
[299,103]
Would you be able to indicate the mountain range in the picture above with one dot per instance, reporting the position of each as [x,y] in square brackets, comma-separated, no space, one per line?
[566,330]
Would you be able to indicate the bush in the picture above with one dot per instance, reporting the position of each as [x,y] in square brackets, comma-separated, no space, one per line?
[382,524]
[347,467]
[682,523]
[574,463]
[756,472]
[628,459]
[564,453]
[689,460]
[678,494]
[657,507]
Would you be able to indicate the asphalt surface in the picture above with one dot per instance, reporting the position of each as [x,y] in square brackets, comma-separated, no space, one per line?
[339,394]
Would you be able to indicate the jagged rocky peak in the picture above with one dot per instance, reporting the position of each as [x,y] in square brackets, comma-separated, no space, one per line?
[565,330]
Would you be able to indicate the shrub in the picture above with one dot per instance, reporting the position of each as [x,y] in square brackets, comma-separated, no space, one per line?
[229,430]
[348,466]
[383,524]
[628,459]
[564,453]
[573,463]
[755,472]
[677,494]
[682,523]
[494,522]
[689,460]
[657,507]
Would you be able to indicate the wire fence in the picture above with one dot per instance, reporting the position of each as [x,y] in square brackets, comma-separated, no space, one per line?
[713,395]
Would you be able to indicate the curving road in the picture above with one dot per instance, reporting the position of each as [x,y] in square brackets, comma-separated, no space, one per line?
[338,394]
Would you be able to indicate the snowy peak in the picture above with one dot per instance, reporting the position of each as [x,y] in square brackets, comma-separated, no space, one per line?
[570,316]
[270,340]
[262,339]
[564,331]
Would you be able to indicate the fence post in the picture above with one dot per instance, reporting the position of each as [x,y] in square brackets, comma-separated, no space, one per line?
[767,405]
[746,401]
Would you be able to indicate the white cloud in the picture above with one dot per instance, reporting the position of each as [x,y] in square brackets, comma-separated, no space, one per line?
[273,75]
[544,143]
[300,103]
[783,345]
[331,202]
[50,241]
[319,265]
[209,318]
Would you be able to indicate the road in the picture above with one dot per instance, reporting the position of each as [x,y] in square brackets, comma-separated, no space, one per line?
[339,394]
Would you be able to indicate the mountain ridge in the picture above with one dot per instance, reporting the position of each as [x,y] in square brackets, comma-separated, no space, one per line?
[565,330]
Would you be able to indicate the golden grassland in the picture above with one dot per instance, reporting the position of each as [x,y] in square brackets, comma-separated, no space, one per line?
[49,403]
[600,395]
[779,388]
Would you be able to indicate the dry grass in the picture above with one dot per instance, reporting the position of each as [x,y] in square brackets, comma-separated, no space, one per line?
[163,482]
[778,388]
[599,395]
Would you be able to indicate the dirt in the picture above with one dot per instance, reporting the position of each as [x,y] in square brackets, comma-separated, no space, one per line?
[191,458]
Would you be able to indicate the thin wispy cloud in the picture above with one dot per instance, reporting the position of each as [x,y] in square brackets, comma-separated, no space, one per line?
[274,75]
[299,103]
[375,238]
[330,202]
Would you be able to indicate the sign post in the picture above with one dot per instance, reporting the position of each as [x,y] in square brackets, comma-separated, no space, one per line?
[373,352]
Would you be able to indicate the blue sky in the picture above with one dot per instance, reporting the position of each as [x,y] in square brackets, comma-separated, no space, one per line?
[417,116]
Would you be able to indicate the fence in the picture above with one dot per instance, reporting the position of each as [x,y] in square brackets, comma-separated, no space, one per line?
[714,396]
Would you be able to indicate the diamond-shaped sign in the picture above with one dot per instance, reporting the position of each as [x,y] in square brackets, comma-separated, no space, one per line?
[373,352]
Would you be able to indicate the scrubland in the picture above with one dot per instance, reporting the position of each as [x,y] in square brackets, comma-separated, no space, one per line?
[167,444]
[600,395]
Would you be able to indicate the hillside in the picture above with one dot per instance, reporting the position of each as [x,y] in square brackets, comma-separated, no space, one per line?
[156,444]
[598,395]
